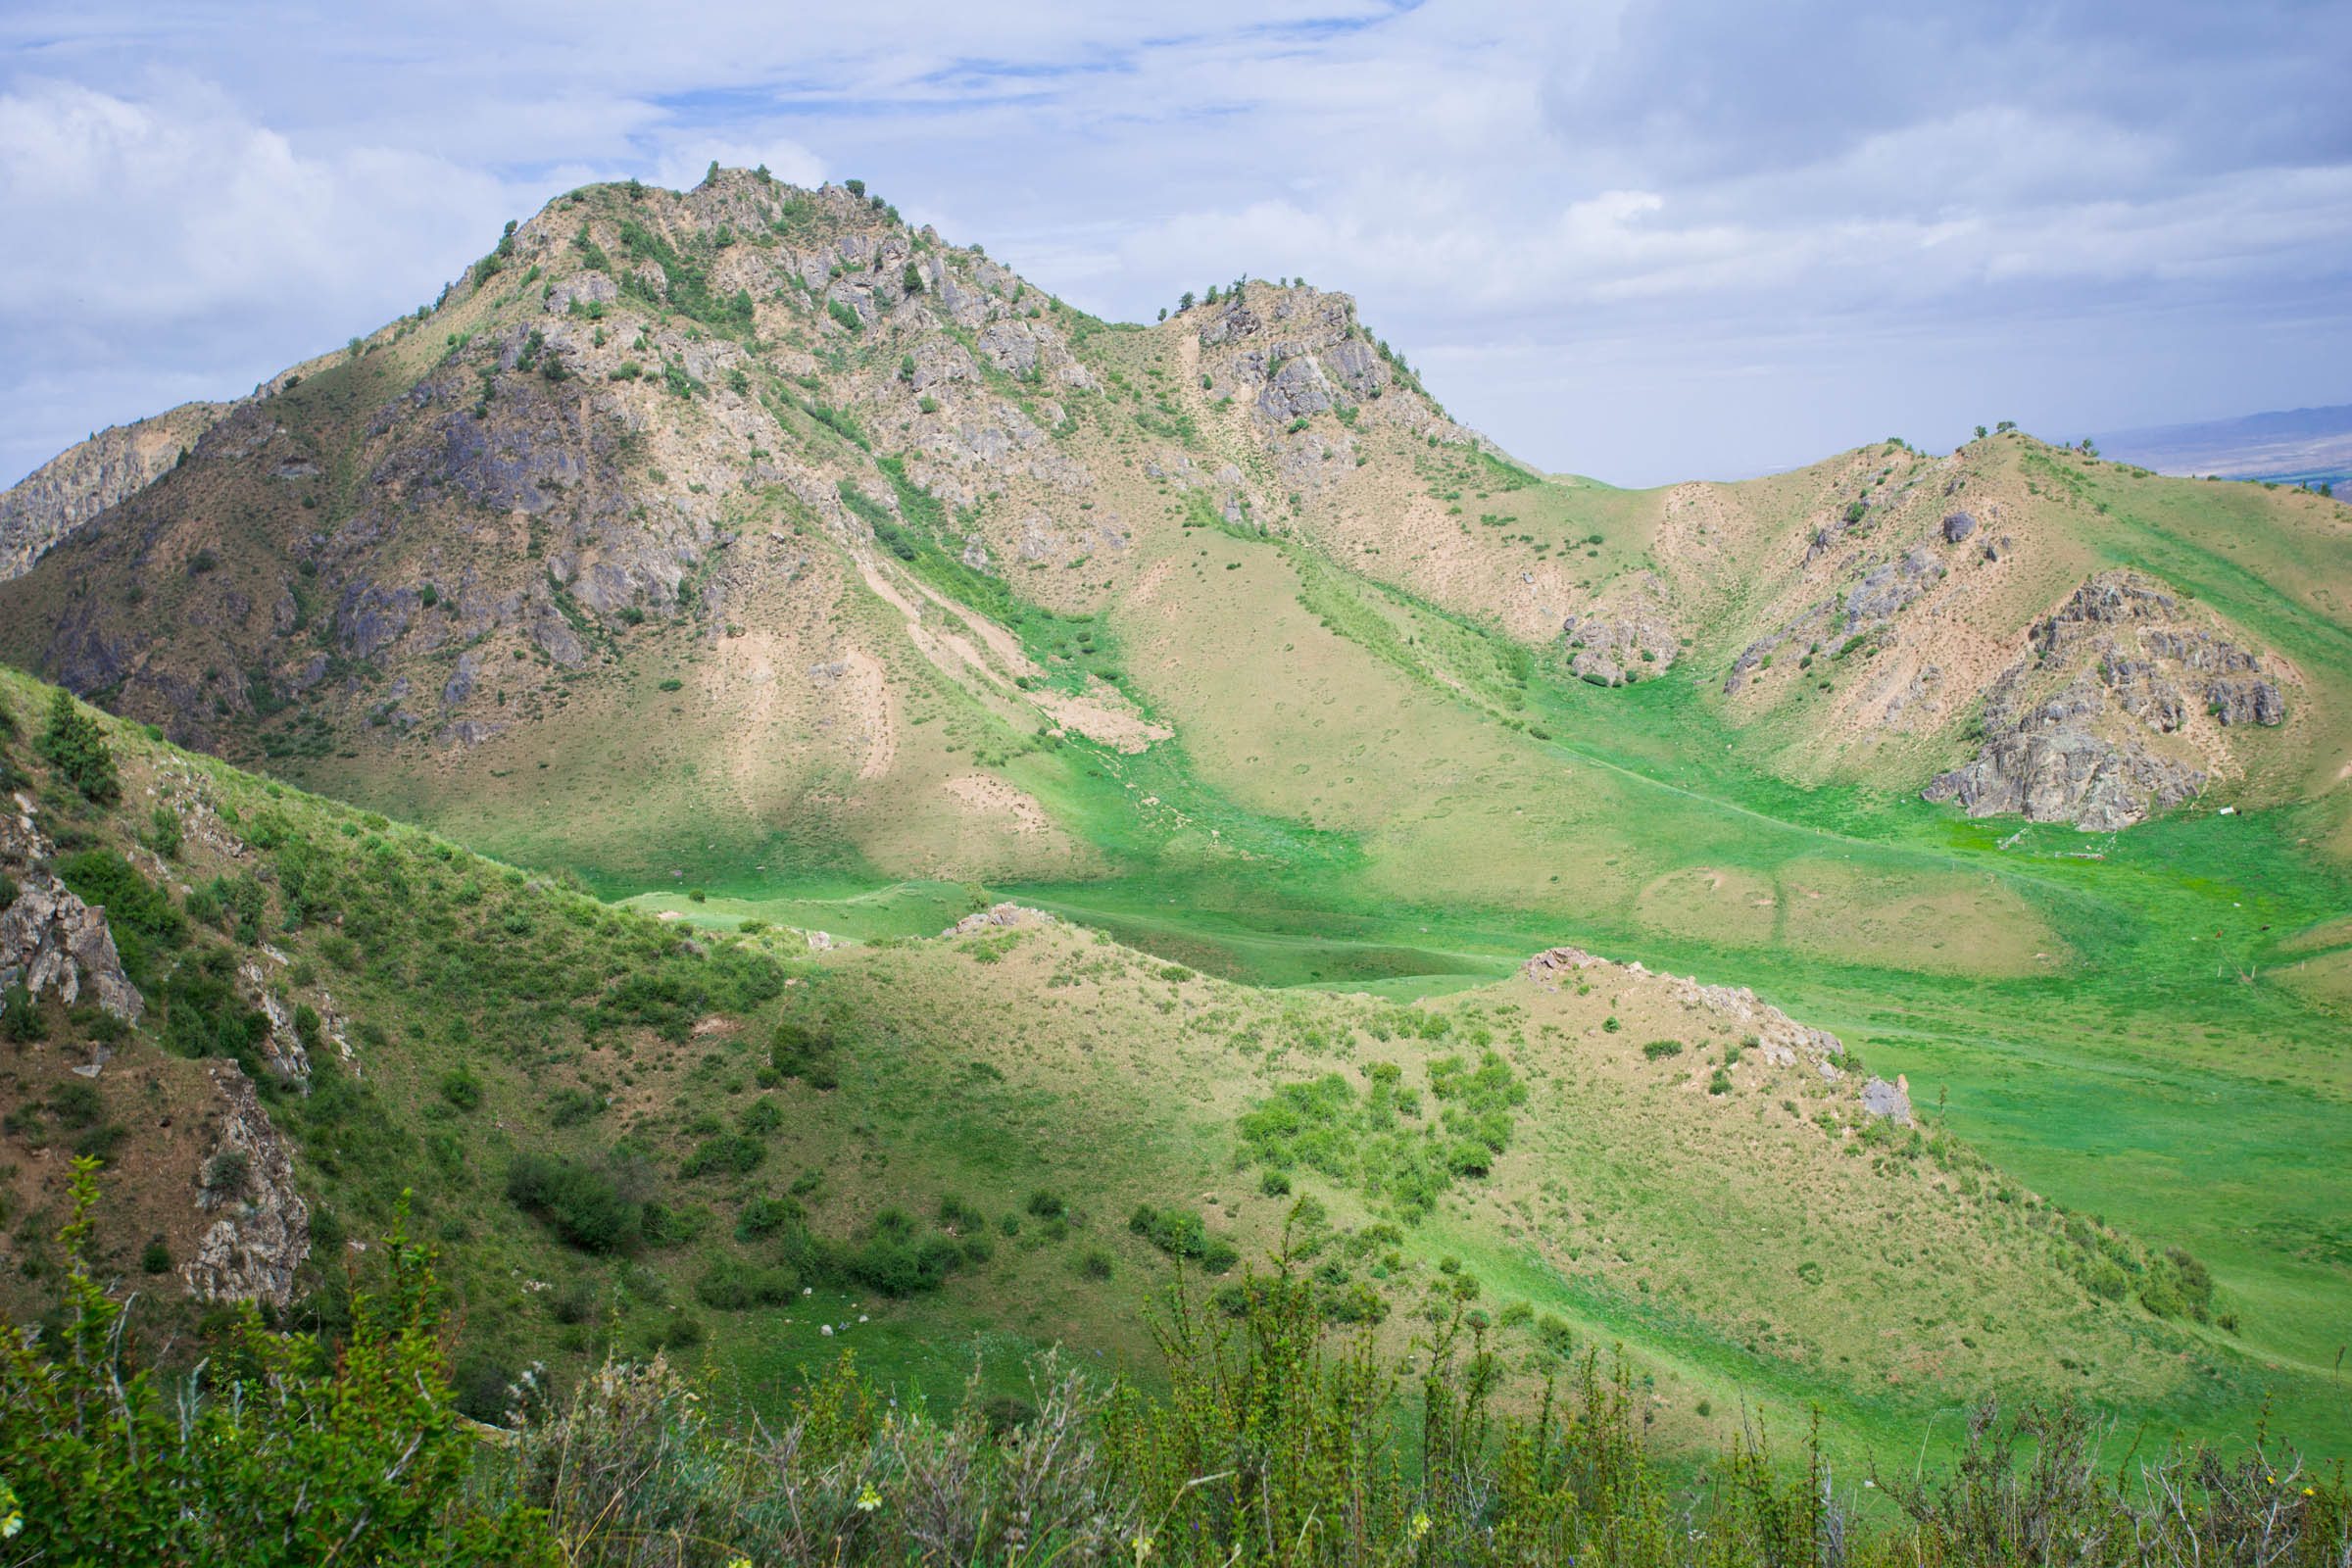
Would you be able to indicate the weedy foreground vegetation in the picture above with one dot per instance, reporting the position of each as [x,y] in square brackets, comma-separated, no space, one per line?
[1274,1442]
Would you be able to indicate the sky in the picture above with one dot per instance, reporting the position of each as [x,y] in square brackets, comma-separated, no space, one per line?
[1641,241]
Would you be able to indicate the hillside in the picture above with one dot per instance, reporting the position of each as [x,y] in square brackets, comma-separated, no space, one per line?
[279,1014]
[80,482]
[749,542]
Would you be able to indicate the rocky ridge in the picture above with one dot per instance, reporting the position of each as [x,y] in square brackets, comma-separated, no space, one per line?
[87,478]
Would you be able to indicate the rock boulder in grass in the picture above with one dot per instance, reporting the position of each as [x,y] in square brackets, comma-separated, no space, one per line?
[48,937]
[1892,1101]
[994,916]
[1957,528]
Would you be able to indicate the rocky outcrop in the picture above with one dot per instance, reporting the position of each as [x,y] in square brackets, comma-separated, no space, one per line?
[994,916]
[49,939]
[2056,772]
[1293,352]
[261,1228]
[1609,649]
[85,479]
[1957,526]
[2245,702]
[2060,758]
[1891,1100]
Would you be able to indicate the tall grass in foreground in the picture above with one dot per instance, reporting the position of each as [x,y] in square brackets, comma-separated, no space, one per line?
[1276,1442]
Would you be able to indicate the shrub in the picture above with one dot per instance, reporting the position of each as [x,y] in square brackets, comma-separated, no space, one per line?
[461,1089]
[1719,1082]
[582,1204]
[766,1216]
[21,1017]
[1046,1203]
[1095,1265]
[1610,1025]
[74,744]
[804,1051]
[761,1116]
[164,835]
[568,1107]
[226,1172]
[734,1286]
[1182,1233]
[1663,1047]
[726,1155]
[156,1257]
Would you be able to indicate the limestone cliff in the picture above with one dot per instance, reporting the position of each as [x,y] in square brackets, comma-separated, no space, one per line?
[84,480]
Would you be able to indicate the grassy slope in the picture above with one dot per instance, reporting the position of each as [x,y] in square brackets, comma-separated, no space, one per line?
[1630,1203]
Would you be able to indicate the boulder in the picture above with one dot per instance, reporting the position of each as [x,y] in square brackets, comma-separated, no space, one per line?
[49,938]
[1957,526]
[1892,1101]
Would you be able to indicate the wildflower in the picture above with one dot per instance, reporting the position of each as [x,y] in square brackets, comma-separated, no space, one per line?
[1420,1524]
[868,1500]
[12,1514]
[1143,1547]
[826,1329]
[740,1563]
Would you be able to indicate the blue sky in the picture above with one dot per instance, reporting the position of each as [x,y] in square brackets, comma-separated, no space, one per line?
[1641,241]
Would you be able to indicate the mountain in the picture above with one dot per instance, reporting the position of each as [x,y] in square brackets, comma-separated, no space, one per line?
[80,482]
[2302,446]
[756,557]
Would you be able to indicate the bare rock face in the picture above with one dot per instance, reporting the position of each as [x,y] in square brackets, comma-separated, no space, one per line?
[1294,352]
[261,1232]
[2064,758]
[84,480]
[49,937]
[2245,702]
[2059,772]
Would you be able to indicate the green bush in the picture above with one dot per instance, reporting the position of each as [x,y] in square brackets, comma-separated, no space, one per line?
[734,1286]
[582,1204]
[1663,1047]
[1182,1233]
[727,1154]
[766,1216]
[804,1051]
[74,744]
[461,1089]
[1046,1203]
